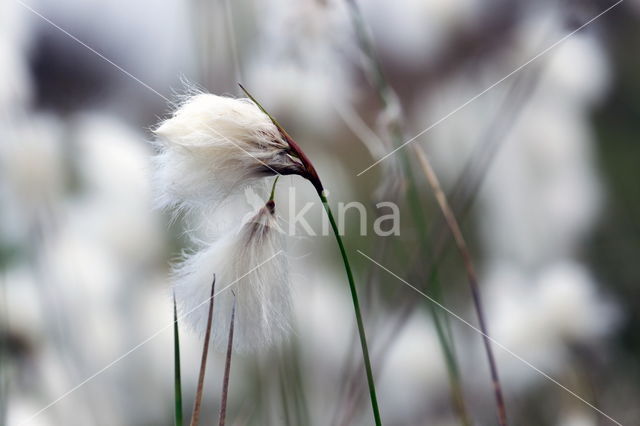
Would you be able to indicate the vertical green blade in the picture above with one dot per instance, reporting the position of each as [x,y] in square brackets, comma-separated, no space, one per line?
[356,307]
[176,358]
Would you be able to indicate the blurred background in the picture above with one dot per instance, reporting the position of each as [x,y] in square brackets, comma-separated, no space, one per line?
[541,170]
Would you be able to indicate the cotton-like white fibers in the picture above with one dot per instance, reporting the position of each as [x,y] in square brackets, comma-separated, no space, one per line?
[212,146]
[248,264]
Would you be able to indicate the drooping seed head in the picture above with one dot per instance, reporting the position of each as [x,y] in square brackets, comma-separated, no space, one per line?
[213,145]
[251,262]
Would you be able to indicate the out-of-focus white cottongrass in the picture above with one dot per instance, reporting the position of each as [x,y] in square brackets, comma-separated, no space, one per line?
[248,262]
[97,245]
[542,192]
[574,417]
[212,146]
[31,162]
[114,207]
[427,27]
[539,315]
[320,73]
[541,195]
[414,376]
[15,85]
[32,175]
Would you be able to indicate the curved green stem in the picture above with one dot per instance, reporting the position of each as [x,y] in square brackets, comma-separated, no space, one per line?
[386,96]
[356,306]
[273,188]
[311,175]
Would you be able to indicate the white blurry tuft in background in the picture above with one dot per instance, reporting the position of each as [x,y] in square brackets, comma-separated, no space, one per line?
[541,196]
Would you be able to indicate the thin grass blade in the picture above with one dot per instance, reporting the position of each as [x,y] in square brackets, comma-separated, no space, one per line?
[452,223]
[176,368]
[197,405]
[227,367]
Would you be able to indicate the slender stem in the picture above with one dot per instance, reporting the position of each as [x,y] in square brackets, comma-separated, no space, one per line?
[273,188]
[197,405]
[387,97]
[440,321]
[302,411]
[284,397]
[176,368]
[457,397]
[312,175]
[356,306]
[378,78]
[227,367]
[452,223]
[350,390]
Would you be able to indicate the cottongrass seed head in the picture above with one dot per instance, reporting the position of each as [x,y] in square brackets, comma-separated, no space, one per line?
[214,145]
[250,265]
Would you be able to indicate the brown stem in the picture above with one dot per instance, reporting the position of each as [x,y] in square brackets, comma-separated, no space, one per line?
[452,223]
[309,171]
[195,416]
[227,367]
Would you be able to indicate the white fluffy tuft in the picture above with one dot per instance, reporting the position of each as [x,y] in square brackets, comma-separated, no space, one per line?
[212,146]
[249,263]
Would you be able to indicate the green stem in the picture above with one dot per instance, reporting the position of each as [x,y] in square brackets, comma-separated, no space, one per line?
[457,397]
[284,395]
[311,175]
[176,357]
[356,306]
[4,353]
[302,411]
[227,367]
[273,188]
[386,95]
[441,322]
